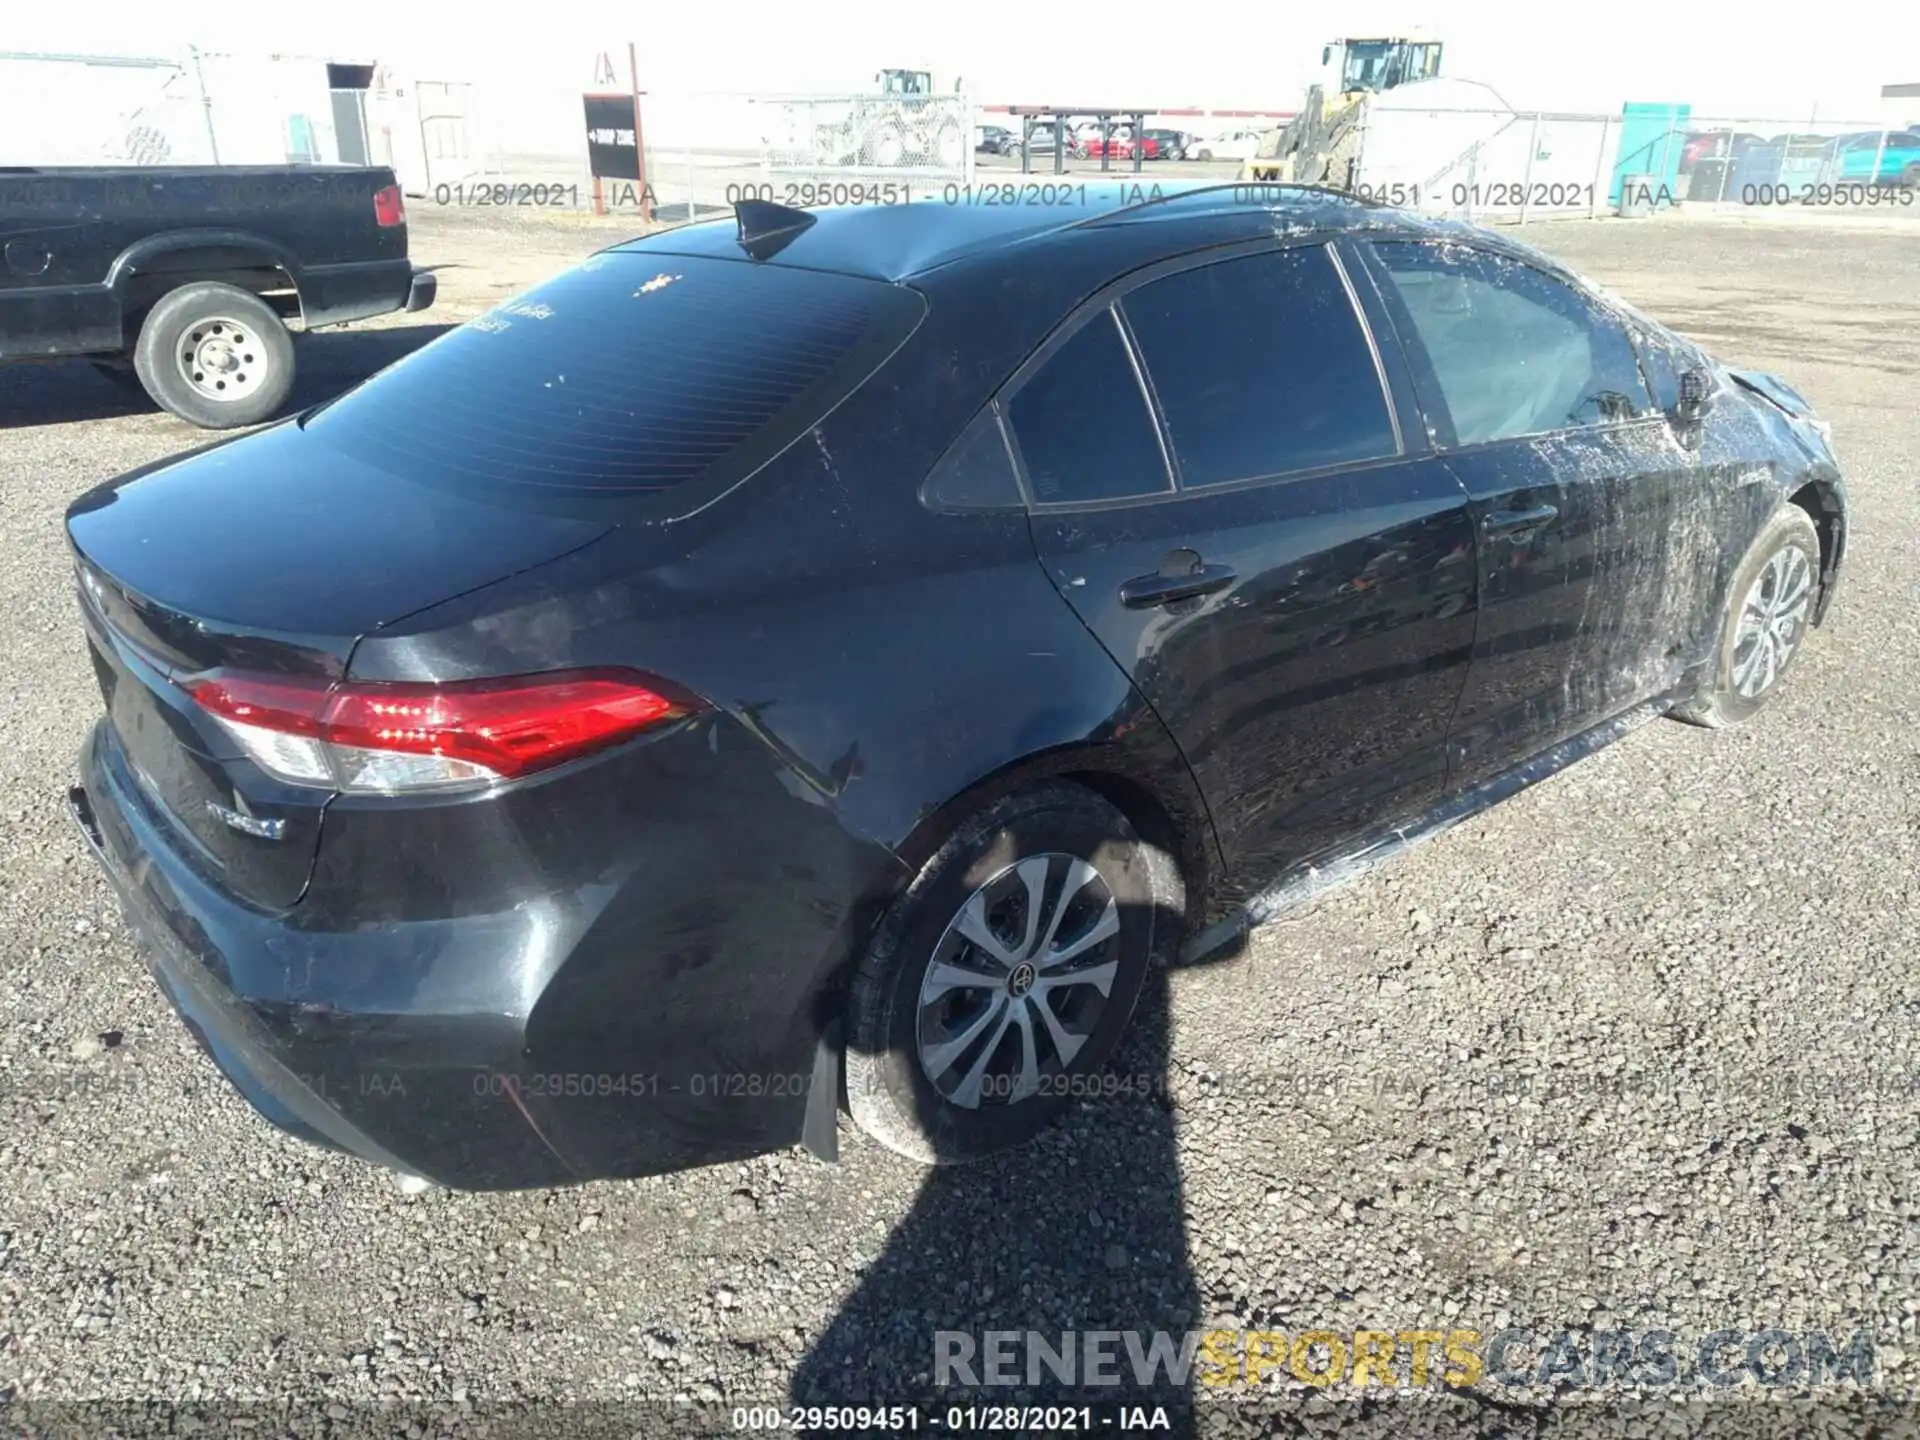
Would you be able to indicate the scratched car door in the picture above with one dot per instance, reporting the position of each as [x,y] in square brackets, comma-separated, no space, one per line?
[1580,493]
[1220,488]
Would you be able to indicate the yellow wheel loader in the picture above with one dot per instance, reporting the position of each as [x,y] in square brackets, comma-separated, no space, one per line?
[912,121]
[1321,144]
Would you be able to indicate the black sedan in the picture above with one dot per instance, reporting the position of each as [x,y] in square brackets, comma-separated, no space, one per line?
[820,659]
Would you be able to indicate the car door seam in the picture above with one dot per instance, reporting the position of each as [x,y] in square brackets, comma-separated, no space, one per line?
[1134,358]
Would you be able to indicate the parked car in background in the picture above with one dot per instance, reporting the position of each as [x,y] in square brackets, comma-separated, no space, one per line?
[1168,144]
[180,281]
[1715,145]
[1043,138]
[1879,158]
[994,140]
[850,683]
[1231,145]
[1119,146]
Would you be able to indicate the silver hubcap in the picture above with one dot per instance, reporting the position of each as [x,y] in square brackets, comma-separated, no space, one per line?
[1018,981]
[1772,618]
[222,359]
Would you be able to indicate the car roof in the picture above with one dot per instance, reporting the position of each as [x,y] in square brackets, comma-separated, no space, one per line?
[897,242]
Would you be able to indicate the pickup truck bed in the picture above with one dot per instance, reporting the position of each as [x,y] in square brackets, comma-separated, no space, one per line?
[89,257]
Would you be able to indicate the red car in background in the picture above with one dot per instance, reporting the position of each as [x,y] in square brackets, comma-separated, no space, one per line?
[1119,147]
[1714,145]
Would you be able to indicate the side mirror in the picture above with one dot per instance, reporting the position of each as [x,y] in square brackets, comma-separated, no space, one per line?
[1696,396]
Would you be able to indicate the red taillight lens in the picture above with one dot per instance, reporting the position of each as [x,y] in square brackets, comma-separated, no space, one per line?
[389,207]
[388,738]
[510,727]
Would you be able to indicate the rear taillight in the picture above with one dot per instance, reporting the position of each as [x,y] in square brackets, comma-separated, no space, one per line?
[389,208]
[389,738]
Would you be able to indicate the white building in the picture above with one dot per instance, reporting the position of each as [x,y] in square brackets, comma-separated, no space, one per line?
[199,108]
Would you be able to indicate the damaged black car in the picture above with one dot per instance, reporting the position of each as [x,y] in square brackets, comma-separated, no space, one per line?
[819,662]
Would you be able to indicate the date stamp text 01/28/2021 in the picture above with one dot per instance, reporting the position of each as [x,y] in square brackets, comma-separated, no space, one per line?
[966,1419]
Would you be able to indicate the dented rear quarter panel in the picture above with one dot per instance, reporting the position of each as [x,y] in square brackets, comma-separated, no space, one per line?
[804,803]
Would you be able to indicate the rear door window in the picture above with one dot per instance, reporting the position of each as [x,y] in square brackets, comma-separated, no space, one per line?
[1261,367]
[635,377]
[1082,424]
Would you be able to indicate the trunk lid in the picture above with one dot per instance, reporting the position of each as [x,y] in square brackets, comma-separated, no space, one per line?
[273,553]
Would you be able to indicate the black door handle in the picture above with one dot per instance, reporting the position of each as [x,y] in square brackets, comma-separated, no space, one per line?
[1508,522]
[1146,590]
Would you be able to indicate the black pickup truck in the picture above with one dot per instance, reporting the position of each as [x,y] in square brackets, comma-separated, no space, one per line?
[183,279]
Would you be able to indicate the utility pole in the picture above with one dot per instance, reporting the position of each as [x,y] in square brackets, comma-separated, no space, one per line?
[640,142]
[206,104]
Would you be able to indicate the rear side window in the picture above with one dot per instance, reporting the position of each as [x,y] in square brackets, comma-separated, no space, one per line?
[976,473]
[1082,424]
[1512,350]
[1261,367]
[634,377]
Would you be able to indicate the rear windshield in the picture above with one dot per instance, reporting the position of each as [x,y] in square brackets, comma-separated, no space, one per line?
[633,376]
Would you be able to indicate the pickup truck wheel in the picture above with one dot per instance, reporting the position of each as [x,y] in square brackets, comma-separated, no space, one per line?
[215,356]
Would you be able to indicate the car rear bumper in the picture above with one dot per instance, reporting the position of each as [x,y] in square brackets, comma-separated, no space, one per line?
[358,290]
[403,1043]
[242,1051]
[421,294]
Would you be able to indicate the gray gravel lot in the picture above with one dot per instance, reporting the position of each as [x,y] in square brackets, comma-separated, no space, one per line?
[1634,1051]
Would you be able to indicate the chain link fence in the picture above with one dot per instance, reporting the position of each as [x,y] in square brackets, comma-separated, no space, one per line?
[1503,164]
[58,109]
[880,137]
[456,143]
[704,151]
[1747,161]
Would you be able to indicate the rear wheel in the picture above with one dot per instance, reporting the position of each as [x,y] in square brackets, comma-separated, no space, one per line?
[215,355]
[1769,608]
[1006,974]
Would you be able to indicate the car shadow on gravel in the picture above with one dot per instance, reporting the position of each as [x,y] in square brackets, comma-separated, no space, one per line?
[1080,1232]
[327,362]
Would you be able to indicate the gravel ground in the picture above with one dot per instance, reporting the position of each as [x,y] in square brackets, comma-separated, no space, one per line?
[1633,1052]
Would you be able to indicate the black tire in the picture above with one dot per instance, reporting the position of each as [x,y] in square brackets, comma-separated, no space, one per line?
[1722,700]
[889,1090]
[262,376]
